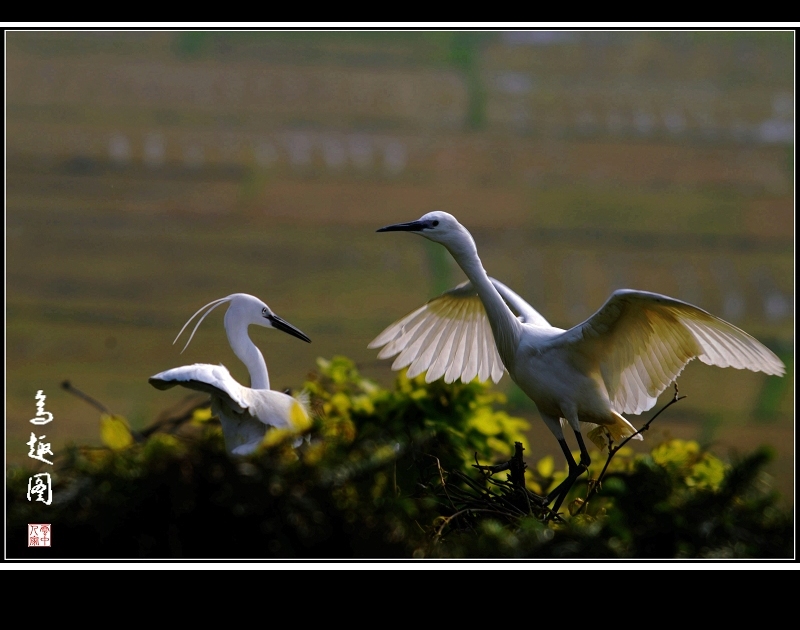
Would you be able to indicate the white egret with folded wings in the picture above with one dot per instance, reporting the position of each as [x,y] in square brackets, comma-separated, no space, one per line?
[245,413]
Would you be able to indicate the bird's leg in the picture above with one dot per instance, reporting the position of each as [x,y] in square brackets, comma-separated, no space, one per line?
[560,491]
[575,471]
[585,459]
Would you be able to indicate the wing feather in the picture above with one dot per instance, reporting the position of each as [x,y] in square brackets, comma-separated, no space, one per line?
[460,348]
[203,377]
[739,352]
[426,349]
[414,341]
[403,335]
[450,336]
[707,344]
[497,368]
[440,355]
[642,341]
[395,330]
[663,360]
[443,354]
[480,347]
[244,413]
[469,370]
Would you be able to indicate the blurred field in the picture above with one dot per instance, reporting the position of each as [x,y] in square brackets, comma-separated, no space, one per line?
[140,187]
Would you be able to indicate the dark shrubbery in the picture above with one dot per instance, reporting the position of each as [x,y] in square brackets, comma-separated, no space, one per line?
[388,474]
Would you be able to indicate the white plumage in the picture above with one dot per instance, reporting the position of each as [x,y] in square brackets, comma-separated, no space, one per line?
[450,336]
[245,413]
[617,361]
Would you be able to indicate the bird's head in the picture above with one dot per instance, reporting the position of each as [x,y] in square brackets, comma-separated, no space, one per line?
[248,309]
[437,226]
[244,310]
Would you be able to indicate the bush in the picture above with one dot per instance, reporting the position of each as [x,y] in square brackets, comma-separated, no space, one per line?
[388,474]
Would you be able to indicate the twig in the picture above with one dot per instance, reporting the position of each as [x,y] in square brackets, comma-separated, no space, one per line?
[447,519]
[174,422]
[441,476]
[498,497]
[516,465]
[492,469]
[471,497]
[66,385]
[613,450]
[472,484]
[487,496]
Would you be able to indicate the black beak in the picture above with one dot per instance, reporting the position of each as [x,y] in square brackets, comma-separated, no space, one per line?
[282,324]
[413,226]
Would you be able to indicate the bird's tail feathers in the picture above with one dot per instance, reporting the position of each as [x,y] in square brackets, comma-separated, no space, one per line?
[616,432]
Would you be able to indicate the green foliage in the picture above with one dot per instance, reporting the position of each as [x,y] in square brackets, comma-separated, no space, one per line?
[677,502]
[452,422]
[388,474]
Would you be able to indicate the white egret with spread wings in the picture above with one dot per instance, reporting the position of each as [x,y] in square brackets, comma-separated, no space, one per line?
[617,361]
[244,412]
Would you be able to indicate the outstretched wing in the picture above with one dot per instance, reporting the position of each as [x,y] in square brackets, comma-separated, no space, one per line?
[245,414]
[450,336]
[641,342]
[212,379]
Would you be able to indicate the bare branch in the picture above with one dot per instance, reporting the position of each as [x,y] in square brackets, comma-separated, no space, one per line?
[66,385]
[594,485]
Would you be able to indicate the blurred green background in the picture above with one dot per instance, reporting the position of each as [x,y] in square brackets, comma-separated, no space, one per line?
[149,173]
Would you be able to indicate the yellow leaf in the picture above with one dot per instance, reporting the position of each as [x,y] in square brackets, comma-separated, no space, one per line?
[545,466]
[300,420]
[676,453]
[299,417]
[499,446]
[115,432]
[486,422]
[276,436]
[340,402]
[533,486]
[202,415]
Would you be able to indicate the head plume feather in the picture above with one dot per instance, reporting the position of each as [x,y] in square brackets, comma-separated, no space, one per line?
[213,305]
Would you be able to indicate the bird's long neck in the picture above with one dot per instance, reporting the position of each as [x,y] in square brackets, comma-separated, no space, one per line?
[247,352]
[505,326]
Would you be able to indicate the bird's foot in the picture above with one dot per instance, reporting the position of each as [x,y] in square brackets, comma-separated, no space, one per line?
[594,485]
